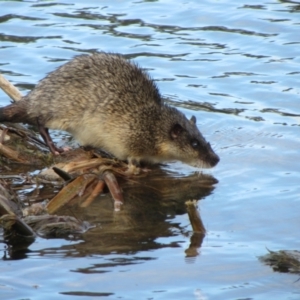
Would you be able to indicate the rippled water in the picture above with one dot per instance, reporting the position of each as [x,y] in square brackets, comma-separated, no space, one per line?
[233,64]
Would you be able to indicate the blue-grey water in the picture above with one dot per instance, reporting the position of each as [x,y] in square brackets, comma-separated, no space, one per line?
[235,65]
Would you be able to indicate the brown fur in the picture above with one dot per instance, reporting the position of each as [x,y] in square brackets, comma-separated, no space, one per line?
[105,101]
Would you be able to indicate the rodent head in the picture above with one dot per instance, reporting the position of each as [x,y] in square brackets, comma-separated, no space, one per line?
[186,143]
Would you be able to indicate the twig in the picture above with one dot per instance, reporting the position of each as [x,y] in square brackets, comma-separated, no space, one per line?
[96,192]
[194,216]
[114,188]
[10,89]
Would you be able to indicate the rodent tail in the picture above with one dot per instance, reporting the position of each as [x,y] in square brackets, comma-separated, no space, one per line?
[15,112]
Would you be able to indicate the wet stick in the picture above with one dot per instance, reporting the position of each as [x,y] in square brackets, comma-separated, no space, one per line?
[196,222]
[114,189]
[73,189]
[96,192]
[10,89]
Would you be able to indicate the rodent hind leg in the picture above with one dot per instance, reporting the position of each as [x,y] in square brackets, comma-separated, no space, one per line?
[44,132]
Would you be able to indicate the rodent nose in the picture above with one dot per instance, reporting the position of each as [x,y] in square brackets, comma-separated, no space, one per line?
[214,160]
[213,157]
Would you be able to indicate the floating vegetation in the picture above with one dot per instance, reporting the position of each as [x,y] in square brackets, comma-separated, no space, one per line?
[285,261]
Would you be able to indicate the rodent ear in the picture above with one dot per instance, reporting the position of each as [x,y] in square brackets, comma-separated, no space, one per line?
[176,130]
[193,120]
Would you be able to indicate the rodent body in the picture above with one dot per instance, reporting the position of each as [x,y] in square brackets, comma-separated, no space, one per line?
[106,101]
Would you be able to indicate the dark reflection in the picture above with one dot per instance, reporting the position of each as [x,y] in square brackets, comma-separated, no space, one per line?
[195,243]
[52,4]
[205,106]
[111,263]
[294,7]
[151,202]
[199,230]
[277,111]
[15,254]
[116,21]
[253,6]
[88,294]
[88,16]
[24,39]
[9,17]
[17,39]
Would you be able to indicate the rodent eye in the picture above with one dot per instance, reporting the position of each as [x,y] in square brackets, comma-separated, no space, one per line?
[195,144]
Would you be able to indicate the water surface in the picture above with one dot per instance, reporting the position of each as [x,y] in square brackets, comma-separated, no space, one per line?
[235,66]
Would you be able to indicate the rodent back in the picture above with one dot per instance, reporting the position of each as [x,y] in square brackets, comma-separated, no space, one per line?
[107,101]
[93,83]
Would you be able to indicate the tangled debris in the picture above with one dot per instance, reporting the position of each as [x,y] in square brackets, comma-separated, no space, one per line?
[82,178]
[21,226]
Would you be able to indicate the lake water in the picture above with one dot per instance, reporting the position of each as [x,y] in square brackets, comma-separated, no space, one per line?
[235,65]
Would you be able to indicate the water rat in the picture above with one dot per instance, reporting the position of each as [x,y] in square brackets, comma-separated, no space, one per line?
[109,102]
